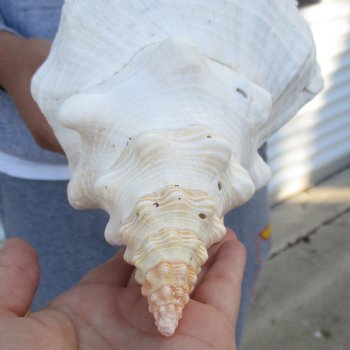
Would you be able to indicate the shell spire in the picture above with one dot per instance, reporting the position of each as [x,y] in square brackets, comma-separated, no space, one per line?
[161,107]
[170,257]
[167,289]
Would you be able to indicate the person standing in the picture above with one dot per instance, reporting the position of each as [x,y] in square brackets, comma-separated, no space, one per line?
[34,175]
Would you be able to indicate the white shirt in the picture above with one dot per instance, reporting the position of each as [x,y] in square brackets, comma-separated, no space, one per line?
[26,169]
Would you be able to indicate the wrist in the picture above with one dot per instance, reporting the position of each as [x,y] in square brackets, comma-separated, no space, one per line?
[10,45]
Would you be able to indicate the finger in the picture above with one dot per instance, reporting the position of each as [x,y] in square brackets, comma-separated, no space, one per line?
[115,271]
[212,251]
[221,286]
[19,276]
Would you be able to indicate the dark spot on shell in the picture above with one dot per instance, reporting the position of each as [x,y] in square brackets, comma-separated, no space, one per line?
[209,136]
[179,199]
[242,92]
[176,185]
[219,186]
[307,89]
[202,216]
[156,204]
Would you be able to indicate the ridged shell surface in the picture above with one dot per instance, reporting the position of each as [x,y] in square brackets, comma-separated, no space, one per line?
[161,107]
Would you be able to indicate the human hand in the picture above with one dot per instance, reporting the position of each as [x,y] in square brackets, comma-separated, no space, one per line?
[107,311]
[19,60]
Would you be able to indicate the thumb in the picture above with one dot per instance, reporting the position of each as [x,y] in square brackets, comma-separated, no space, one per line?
[19,276]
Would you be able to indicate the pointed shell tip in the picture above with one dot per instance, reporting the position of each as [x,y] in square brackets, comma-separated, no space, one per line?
[167,325]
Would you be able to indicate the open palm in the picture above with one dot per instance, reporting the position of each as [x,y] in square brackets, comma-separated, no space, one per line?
[106,310]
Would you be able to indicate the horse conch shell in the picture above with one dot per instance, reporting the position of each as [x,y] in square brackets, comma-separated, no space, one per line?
[160,107]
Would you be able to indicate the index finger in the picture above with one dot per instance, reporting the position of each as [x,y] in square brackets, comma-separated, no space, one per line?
[221,285]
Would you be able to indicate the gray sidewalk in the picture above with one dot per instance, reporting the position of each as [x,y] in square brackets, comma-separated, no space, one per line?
[302,301]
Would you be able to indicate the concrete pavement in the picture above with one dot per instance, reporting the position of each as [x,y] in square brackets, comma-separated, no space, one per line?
[302,300]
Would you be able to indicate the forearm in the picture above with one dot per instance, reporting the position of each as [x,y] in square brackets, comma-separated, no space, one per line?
[9,43]
[19,60]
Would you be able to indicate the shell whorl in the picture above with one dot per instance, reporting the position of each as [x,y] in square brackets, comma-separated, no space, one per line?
[195,159]
[167,217]
[166,239]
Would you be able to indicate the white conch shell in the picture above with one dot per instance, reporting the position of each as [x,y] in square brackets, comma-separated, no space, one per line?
[160,107]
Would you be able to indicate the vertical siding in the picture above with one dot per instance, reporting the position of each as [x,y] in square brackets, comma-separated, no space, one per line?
[316,143]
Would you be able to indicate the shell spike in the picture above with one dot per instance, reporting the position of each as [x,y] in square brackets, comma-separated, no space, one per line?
[166,301]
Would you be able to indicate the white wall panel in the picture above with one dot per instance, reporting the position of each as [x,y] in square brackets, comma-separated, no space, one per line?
[316,143]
